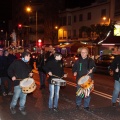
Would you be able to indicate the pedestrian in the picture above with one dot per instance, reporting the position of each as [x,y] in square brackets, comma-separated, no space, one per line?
[54,68]
[17,71]
[6,90]
[81,67]
[40,62]
[115,67]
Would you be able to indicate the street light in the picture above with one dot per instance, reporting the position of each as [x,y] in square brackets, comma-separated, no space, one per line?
[28,9]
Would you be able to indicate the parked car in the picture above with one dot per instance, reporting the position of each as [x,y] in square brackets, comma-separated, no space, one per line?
[103,62]
[69,60]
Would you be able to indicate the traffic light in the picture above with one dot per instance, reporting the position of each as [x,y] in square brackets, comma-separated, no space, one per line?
[39,42]
[19,26]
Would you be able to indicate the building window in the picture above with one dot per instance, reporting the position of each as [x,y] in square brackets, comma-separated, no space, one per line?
[69,34]
[80,33]
[64,20]
[89,16]
[69,20]
[74,19]
[81,17]
[103,12]
[74,33]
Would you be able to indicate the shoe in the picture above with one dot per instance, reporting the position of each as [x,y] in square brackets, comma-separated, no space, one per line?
[114,104]
[4,94]
[50,109]
[10,93]
[12,109]
[23,112]
[87,108]
[77,107]
[55,109]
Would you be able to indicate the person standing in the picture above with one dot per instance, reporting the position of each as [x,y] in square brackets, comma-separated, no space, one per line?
[115,67]
[54,68]
[81,67]
[17,71]
[40,62]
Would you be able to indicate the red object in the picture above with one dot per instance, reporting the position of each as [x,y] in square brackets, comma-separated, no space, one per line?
[39,42]
[19,25]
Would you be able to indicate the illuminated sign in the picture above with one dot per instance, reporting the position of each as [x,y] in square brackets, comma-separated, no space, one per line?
[117,30]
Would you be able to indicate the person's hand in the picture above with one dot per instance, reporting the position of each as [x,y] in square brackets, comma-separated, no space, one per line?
[13,78]
[65,75]
[75,73]
[91,70]
[50,73]
[30,74]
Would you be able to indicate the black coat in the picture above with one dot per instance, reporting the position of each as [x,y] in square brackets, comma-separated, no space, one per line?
[82,67]
[114,65]
[56,67]
[20,70]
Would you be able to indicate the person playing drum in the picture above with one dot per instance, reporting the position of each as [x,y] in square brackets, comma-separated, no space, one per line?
[83,66]
[54,69]
[19,70]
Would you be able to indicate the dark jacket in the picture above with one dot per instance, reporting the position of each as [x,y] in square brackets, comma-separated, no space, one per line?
[114,65]
[20,70]
[40,62]
[82,67]
[1,66]
[56,67]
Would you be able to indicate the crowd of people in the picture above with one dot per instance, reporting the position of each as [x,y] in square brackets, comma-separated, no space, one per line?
[14,69]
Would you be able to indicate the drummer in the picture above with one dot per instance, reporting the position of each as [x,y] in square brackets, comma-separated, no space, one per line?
[54,68]
[19,70]
[81,67]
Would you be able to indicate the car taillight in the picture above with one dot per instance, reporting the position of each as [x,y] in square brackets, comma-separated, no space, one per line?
[76,58]
[33,56]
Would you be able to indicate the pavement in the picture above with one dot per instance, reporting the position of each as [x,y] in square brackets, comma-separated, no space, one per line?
[37,109]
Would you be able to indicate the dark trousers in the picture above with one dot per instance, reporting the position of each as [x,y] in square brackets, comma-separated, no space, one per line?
[3,84]
[42,78]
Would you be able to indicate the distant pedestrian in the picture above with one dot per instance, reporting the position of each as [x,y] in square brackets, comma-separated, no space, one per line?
[115,67]
[40,62]
[19,69]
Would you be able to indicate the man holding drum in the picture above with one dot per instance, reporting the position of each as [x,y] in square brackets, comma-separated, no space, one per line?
[19,70]
[82,67]
[54,69]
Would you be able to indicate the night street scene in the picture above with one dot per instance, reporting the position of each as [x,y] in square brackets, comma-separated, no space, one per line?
[60,60]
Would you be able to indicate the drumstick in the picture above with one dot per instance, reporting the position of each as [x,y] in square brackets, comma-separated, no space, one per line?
[89,71]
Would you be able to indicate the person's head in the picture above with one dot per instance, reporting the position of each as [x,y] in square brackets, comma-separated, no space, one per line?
[26,56]
[6,53]
[58,56]
[84,52]
[1,52]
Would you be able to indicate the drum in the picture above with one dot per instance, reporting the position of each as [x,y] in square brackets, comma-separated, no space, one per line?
[28,85]
[57,81]
[85,82]
[87,86]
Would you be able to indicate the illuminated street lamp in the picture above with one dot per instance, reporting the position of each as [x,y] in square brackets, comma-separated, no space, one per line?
[28,9]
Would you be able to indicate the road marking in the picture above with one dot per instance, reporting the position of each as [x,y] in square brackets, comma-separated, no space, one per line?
[94,92]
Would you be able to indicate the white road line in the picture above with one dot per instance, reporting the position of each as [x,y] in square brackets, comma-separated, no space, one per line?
[94,92]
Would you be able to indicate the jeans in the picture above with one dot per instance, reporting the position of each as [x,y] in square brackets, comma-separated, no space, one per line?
[18,94]
[42,78]
[9,83]
[79,99]
[54,94]
[116,91]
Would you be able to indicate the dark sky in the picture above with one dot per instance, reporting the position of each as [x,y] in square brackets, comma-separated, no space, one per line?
[5,9]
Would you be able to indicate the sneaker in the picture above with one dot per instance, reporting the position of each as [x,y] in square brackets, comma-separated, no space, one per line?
[55,109]
[4,94]
[77,107]
[114,104]
[12,109]
[23,112]
[50,109]
[87,108]
[10,93]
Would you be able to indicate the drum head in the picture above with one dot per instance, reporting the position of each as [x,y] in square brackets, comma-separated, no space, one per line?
[83,79]
[26,82]
[58,80]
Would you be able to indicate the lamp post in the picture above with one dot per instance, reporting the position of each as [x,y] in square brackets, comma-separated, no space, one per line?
[28,9]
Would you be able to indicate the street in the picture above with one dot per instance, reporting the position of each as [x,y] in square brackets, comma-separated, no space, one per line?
[37,102]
